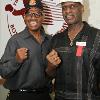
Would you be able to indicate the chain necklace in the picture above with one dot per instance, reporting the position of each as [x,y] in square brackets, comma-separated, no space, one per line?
[71,39]
[74,34]
[71,43]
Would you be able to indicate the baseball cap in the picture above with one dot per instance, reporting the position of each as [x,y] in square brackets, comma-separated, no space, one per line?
[61,1]
[35,3]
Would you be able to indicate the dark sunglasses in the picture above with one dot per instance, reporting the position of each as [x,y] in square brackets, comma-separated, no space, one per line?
[36,15]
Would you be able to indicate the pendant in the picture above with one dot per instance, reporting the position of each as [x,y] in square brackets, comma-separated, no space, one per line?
[71,43]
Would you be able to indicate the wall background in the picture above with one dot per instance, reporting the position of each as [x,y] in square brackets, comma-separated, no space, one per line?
[11,24]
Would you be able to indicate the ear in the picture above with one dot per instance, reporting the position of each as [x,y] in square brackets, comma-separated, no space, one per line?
[43,16]
[82,8]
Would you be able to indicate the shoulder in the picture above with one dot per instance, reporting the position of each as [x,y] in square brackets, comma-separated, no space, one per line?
[91,31]
[59,35]
[16,36]
[49,36]
[95,29]
[91,28]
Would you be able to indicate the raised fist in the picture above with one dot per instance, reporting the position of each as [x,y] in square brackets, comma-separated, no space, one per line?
[21,54]
[53,58]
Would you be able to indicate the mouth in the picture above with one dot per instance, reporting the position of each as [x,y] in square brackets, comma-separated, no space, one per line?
[69,17]
[33,23]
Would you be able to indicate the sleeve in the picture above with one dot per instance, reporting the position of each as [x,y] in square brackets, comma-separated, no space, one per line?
[97,65]
[97,59]
[8,62]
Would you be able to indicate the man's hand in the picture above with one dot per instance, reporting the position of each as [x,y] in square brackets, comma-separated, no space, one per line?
[53,62]
[53,58]
[21,54]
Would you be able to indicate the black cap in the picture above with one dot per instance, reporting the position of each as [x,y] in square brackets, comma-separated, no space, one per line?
[35,3]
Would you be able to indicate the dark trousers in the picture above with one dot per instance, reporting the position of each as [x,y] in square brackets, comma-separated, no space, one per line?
[60,98]
[28,96]
[98,98]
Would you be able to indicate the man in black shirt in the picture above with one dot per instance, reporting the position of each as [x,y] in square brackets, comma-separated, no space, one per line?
[23,63]
[75,56]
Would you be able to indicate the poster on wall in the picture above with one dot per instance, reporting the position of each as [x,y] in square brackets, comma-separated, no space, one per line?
[14,10]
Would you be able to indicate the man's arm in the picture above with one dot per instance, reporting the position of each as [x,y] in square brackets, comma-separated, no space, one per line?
[12,59]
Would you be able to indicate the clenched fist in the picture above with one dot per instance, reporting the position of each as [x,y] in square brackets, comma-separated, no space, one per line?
[53,58]
[21,54]
[53,62]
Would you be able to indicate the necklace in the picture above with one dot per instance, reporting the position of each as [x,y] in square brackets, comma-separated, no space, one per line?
[72,39]
[72,34]
[71,43]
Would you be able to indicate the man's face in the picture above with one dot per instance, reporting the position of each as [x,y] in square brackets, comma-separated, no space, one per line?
[72,12]
[33,19]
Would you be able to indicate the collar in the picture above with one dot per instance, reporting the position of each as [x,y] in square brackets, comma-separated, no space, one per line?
[85,28]
[26,34]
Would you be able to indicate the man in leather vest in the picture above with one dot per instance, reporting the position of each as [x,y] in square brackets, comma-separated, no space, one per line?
[74,58]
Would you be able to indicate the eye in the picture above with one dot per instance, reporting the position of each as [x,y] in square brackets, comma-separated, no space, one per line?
[64,7]
[36,15]
[39,14]
[73,6]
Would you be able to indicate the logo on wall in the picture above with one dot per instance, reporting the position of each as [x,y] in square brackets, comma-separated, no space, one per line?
[16,9]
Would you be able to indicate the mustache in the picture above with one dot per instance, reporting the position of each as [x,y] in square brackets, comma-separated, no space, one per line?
[66,16]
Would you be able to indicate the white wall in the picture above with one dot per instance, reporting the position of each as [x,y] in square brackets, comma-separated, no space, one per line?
[91,13]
